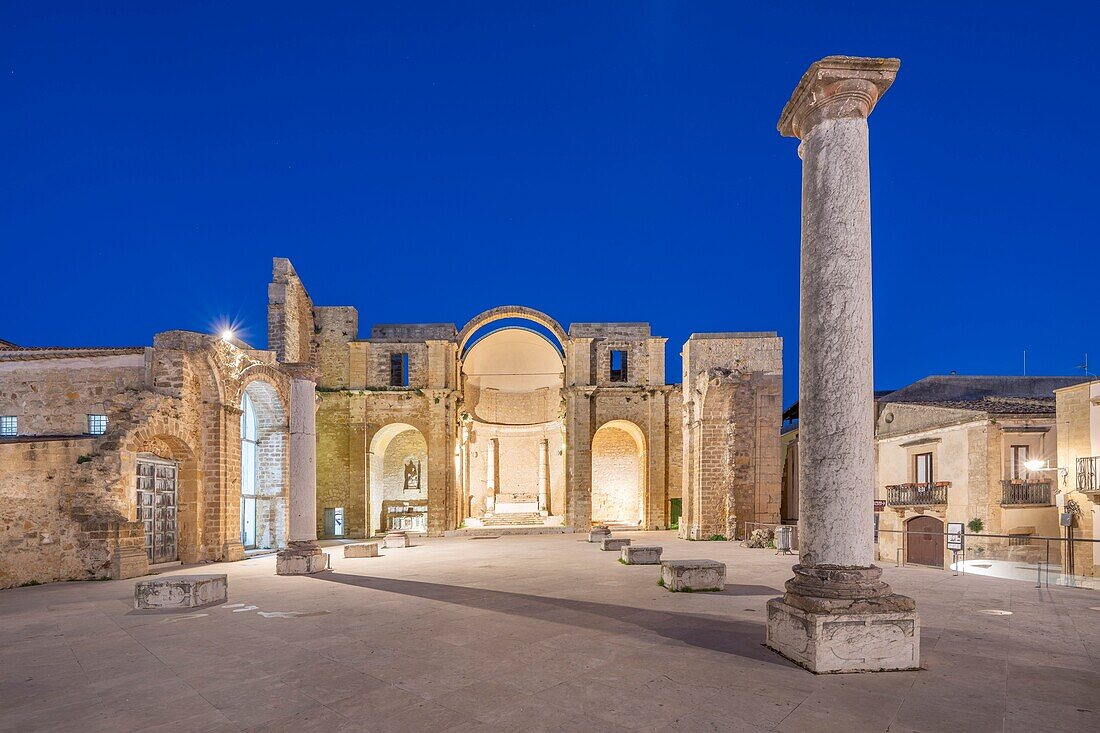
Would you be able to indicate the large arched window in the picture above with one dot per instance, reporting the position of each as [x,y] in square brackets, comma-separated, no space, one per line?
[248,472]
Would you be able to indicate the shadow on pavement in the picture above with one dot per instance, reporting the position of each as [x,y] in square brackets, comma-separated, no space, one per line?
[741,638]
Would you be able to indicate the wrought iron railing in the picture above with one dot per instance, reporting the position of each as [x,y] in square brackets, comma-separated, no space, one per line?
[917,494]
[1086,474]
[1017,492]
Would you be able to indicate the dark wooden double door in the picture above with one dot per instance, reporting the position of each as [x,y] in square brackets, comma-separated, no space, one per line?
[924,541]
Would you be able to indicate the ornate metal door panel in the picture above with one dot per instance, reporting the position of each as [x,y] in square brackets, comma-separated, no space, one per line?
[156,496]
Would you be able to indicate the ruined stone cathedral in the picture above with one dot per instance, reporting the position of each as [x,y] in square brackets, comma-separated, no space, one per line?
[117,459]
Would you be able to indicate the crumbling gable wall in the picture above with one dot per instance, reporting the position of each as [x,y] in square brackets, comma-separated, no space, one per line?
[732,416]
[290,320]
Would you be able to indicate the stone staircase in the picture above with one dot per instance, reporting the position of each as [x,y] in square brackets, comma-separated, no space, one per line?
[513,519]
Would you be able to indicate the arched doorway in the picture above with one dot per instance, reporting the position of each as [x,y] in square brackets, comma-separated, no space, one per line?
[618,474]
[511,451]
[263,468]
[398,479]
[924,541]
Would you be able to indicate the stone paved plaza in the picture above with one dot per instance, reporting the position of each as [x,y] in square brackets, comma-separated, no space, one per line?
[541,633]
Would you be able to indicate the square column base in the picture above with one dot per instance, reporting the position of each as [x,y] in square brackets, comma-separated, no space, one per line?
[844,642]
[291,562]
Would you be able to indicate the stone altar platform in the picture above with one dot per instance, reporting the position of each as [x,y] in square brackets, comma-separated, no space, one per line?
[693,575]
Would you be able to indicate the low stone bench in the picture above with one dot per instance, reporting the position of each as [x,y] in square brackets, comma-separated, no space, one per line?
[395,539]
[180,592]
[613,545]
[693,575]
[365,549]
[641,555]
[599,534]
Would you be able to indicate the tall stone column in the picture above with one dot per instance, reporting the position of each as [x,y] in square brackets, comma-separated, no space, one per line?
[491,477]
[544,476]
[302,554]
[837,614]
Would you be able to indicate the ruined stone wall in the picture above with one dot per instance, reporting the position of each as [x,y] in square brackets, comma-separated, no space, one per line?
[334,329]
[289,314]
[732,417]
[377,363]
[40,541]
[55,396]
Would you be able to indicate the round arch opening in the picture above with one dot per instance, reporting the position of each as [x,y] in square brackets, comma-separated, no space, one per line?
[618,474]
[398,461]
[264,467]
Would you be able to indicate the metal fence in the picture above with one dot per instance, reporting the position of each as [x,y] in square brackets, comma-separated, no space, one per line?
[1060,561]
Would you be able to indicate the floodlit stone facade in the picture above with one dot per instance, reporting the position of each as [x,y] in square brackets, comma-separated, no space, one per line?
[418,428]
[1078,416]
[163,480]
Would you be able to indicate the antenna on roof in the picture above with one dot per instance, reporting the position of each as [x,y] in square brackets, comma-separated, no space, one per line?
[1025,362]
[1085,367]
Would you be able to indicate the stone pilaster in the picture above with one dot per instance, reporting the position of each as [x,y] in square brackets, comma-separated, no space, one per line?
[838,615]
[544,477]
[302,554]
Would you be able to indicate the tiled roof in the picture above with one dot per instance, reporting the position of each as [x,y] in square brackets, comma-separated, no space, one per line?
[35,353]
[992,405]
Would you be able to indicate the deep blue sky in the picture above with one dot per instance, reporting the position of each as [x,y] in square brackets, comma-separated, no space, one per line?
[598,161]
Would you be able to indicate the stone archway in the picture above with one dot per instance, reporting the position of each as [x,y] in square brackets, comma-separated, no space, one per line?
[264,467]
[398,479]
[619,474]
[165,495]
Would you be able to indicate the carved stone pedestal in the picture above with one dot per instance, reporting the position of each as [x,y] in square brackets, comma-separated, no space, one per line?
[301,558]
[844,642]
[841,619]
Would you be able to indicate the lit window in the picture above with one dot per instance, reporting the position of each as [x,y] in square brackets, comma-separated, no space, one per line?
[618,365]
[9,425]
[97,424]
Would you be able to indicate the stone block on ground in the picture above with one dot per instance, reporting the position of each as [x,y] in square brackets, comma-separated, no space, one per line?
[364,549]
[180,592]
[844,642]
[395,540]
[693,575]
[613,544]
[641,555]
[598,534]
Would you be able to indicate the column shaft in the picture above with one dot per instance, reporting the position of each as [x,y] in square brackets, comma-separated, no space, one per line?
[303,462]
[491,476]
[836,389]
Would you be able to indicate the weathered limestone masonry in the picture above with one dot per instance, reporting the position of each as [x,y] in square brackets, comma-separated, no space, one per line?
[428,428]
[733,387]
[201,448]
[71,500]
[837,614]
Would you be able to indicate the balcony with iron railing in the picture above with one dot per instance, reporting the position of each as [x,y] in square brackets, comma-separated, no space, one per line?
[1087,469]
[901,495]
[1021,492]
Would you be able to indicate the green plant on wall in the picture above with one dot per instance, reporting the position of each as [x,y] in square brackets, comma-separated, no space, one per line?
[975,525]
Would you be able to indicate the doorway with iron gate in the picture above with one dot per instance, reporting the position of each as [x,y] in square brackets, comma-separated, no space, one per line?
[924,541]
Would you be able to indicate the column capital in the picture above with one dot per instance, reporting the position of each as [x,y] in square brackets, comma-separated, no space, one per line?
[834,88]
[301,370]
